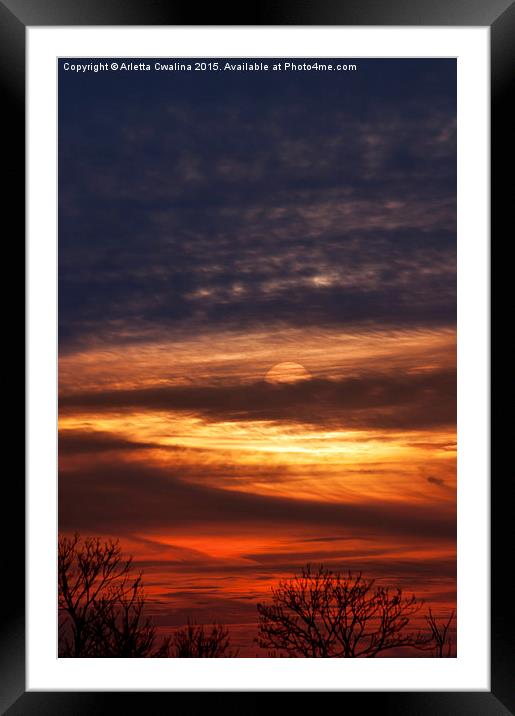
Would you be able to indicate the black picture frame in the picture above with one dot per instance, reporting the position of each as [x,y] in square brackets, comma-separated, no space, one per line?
[15,17]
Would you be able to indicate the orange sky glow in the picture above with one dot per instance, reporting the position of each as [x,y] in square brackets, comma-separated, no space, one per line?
[233,561]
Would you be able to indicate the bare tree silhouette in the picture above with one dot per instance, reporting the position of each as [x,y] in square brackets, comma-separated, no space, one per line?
[194,642]
[321,613]
[441,643]
[101,603]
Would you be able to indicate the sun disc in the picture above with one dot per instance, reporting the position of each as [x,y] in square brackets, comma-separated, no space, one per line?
[287,372]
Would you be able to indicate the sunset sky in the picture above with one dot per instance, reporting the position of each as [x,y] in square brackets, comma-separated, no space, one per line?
[257,328]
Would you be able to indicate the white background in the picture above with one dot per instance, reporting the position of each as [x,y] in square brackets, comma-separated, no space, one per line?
[470,670]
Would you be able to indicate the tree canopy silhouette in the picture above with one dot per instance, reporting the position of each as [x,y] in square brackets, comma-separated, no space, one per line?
[101,603]
[101,606]
[441,643]
[321,613]
[195,642]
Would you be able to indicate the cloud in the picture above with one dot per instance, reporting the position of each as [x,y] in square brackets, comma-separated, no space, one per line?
[279,274]
[383,567]
[374,400]
[205,609]
[120,498]
[437,481]
[225,209]
[76,442]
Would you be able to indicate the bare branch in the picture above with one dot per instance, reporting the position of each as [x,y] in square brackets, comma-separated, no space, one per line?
[321,613]
[195,642]
[101,603]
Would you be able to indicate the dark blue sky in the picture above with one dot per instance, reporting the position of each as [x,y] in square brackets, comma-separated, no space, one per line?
[198,201]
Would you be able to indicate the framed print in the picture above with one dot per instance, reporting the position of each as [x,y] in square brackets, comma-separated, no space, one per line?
[258,355]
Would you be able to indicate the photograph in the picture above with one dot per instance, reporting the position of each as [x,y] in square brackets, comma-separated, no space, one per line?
[258,250]
[257,370]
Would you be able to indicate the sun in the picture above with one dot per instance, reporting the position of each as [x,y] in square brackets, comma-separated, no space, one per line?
[287,372]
